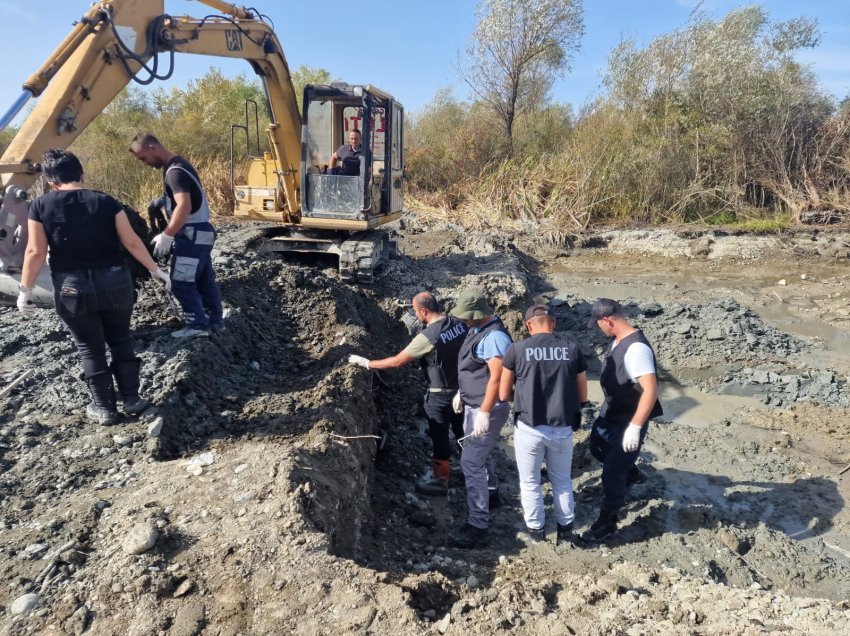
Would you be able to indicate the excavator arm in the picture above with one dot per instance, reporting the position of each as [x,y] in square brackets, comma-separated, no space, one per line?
[119,41]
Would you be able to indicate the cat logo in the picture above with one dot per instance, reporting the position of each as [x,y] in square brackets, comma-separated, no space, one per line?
[233,37]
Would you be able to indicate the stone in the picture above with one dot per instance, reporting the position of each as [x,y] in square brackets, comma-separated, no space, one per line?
[194,469]
[24,604]
[155,427]
[472,581]
[140,539]
[78,622]
[443,625]
[204,459]
[683,327]
[714,334]
[184,588]
[122,440]
[189,620]
[782,282]
[35,550]
[240,468]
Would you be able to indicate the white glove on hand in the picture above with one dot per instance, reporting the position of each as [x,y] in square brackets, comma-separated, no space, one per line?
[162,245]
[481,425]
[631,438]
[25,304]
[360,361]
[162,277]
[457,403]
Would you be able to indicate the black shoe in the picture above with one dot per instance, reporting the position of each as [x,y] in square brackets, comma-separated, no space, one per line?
[469,537]
[101,415]
[536,534]
[134,406]
[635,476]
[433,487]
[495,500]
[565,534]
[602,528]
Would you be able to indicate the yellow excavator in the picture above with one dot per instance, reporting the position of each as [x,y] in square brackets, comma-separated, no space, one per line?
[316,209]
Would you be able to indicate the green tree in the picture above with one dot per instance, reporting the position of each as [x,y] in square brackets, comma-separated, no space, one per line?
[518,49]
[304,75]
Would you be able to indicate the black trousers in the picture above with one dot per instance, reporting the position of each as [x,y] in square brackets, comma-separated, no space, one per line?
[441,417]
[96,305]
[606,445]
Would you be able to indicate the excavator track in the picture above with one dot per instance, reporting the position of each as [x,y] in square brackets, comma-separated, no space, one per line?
[362,254]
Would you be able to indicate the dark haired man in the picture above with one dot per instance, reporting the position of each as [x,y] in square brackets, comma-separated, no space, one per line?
[188,237]
[546,375]
[348,155]
[629,383]
[436,347]
[83,231]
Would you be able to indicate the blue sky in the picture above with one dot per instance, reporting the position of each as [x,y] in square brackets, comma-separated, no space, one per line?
[412,46]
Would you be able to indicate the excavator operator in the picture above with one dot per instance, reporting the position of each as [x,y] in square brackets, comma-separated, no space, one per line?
[348,155]
[188,238]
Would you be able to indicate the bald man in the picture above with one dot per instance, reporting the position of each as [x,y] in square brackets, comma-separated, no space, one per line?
[436,348]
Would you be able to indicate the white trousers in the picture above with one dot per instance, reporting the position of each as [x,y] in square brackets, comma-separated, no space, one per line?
[533,445]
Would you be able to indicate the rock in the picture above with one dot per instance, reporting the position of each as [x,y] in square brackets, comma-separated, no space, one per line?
[472,581]
[35,550]
[714,334]
[782,282]
[189,620]
[155,427]
[431,614]
[204,459]
[184,588]
[194,469]
[122,440]
[613,584]
[24,604]
[240,468]
[141,538]
[443,625]
[78,622]
[683,327]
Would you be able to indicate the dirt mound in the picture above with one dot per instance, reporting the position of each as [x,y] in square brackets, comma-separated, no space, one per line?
[270,489]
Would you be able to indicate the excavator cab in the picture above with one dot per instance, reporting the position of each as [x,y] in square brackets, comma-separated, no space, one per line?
[366,188]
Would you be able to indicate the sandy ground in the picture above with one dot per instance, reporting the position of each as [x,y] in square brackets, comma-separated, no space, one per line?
[258,508]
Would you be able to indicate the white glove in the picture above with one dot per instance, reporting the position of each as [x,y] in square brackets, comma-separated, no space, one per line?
[481,425]
[631,438]
[162,245]
[162,277]
[25,304]
[360,361]
[457,403]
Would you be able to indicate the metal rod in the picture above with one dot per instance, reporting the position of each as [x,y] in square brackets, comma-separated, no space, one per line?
[8,389]
[15,109]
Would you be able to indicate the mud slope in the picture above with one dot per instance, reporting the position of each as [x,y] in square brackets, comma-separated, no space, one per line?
[270,489]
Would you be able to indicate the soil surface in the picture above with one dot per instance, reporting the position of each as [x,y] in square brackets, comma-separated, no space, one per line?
[269,489]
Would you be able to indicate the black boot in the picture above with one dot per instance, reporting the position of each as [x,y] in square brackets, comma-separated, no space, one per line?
[565,534]
[469,537]
[602,528]
[495,499]
[127,378]
[101,410]
[635,476]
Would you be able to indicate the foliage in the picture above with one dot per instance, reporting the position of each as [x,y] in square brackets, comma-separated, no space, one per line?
[518,49]
[304,75]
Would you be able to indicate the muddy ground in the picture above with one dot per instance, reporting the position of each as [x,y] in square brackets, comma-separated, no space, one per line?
[270,489]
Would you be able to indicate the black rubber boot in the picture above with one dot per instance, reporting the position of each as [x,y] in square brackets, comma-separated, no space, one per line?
[127,378]
[537,535]
[635,476]
[469,537]
[102,410]
[495,499]
[602,528]
[565,534]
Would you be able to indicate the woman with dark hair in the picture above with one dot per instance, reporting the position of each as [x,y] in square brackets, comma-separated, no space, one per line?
[83,232]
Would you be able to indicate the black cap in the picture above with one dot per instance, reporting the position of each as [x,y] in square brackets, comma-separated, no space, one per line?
[536,310]
[603,308]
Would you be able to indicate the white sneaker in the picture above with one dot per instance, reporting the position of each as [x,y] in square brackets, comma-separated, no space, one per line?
[191,332]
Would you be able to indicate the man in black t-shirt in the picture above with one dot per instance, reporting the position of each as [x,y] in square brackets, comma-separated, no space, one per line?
[546,376]
[436,347]
[349,155]
[188,238]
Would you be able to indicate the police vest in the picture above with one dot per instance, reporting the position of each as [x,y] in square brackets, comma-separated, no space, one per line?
[440,366]
[546,369]
[472,372]
[622,394]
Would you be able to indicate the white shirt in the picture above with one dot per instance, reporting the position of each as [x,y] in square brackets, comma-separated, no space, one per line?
[638,360]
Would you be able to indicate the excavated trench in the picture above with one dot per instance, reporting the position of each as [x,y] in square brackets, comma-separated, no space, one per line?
[311,457]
